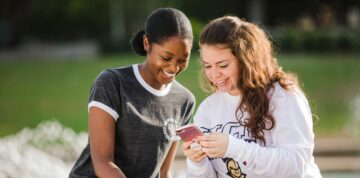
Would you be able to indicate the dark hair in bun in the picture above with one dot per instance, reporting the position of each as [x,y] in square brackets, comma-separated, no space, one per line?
[159,26]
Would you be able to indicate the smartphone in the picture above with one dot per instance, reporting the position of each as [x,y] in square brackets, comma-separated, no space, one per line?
[188,132]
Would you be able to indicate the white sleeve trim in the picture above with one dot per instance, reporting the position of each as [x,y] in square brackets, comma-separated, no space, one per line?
[104,107]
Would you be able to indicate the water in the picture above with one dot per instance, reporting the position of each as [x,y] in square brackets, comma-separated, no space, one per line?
[51,149]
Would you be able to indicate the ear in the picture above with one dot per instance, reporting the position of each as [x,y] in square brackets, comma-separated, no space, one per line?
[146,43]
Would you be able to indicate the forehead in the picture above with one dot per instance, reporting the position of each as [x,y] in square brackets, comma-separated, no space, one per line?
[215,53]
[174,45]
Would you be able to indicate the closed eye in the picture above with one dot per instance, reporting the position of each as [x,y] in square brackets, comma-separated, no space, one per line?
[182,61]
[224,66]
[207,66]
[165,58]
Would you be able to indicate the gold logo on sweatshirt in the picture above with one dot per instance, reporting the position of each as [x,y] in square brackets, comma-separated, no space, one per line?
[233,168]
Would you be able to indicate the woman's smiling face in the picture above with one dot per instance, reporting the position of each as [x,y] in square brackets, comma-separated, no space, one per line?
[166,60]
[221,67]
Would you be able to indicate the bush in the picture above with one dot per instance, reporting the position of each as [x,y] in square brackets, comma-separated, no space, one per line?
[287,39]
[290,39]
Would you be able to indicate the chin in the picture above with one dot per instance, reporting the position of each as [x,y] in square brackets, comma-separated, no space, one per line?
[224,90]
[165,82]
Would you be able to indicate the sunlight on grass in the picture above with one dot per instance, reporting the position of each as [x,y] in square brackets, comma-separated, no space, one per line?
[31,92]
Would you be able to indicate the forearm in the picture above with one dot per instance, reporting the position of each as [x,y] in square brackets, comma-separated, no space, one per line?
[108,169]
[165,167]
[285,160]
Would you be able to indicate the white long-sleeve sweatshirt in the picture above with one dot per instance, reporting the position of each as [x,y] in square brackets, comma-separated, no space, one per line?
[289,145]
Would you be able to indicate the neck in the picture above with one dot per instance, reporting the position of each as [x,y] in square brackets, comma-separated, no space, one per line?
[149,77]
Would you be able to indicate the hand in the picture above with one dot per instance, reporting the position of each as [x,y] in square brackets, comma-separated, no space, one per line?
[214,145]
[193,151]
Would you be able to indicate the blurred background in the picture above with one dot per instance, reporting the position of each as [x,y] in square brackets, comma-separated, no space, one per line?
[52,50]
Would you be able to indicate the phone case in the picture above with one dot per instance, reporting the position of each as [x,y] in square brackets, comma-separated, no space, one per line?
[188,132]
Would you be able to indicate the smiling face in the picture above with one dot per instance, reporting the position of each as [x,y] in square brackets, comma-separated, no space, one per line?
[164,61]
[221,67]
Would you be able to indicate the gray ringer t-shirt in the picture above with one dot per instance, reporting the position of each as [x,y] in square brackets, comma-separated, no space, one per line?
[145,120]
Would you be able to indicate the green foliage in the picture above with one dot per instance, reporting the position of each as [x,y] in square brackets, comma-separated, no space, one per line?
[291,39]
[287,39]
[65,20]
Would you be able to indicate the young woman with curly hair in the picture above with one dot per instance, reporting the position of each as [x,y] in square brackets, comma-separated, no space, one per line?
[258,120]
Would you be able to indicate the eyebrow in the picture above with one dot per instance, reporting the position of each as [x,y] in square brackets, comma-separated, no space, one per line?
[185,55]
[226,60]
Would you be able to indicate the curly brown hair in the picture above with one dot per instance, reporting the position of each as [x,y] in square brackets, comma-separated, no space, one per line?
[259,69]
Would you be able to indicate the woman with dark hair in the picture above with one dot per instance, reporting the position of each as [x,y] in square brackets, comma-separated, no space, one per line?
[133,110]
[258,120]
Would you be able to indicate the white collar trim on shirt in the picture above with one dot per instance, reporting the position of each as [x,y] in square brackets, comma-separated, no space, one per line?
[147,86]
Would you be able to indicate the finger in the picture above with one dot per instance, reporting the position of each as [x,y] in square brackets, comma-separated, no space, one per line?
[209,143]
[201,157]
[194,157]
[204,138]
[187,144]
[198,154]
[209,137]
[207,150]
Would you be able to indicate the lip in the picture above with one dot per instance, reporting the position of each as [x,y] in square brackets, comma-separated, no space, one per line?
[221,83]
[169,74]
[168,77]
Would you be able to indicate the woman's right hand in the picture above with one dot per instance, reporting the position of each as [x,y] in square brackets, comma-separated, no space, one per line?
[193,151]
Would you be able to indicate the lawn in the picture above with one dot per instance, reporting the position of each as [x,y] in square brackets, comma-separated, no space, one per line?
[33,91]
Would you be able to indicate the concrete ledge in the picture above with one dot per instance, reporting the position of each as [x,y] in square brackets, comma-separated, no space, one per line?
[338,163]
[337,145]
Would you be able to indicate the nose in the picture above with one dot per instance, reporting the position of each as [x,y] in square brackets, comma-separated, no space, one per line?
[215,73]
[174,68]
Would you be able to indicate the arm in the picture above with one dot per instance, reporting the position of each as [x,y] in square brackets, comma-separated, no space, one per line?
[102,143]
[165,167]
[292,147]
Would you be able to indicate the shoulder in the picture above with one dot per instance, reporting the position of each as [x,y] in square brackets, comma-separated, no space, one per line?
[282,97]
[181,89]
[113,74]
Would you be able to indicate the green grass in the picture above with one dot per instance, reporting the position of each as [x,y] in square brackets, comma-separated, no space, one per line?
[31,92]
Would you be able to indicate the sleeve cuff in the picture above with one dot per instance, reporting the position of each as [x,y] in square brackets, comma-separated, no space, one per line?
[104,107]
[198,166]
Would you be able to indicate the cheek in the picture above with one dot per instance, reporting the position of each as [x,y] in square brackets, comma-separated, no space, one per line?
[184,66]
[235,73]
[208,75]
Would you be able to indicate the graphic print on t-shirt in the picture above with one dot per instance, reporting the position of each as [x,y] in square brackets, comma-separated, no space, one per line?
[169,129]
[238,130]
[232,128]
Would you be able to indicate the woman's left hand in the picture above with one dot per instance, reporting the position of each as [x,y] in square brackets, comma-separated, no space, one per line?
[214,144]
